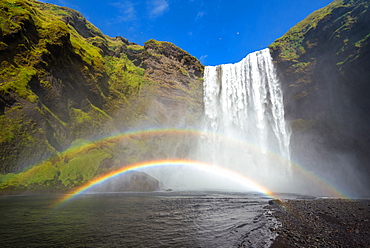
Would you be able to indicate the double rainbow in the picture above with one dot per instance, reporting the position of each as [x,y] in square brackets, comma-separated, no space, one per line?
[315,179]
[209,168]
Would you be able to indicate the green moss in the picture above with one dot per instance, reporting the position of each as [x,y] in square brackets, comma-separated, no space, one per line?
[114,43]
[90,121]
[40,56]
[301,65]
[8,22]
[8,127]
[17,74]
[154,43]
[3,46]
[82,168]
[80,116]
[347,21]
[159,45]
[45,110]
[44,175]
[153,54]
[8,180]
[16,80]
[160,48]
[74,167]
[88,52]
[51,30]
[135,47]
[364,40]
[125,78]
[291,44]
[184,72]
[100,112]
[20,138]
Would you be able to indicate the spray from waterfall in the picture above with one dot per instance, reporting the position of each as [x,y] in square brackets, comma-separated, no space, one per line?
[244,130]
[245,101]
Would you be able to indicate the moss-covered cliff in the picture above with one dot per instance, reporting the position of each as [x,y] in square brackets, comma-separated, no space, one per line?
[64,84]
[62,80]
[323,63]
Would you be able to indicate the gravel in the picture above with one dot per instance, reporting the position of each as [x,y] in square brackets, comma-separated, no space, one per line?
[321,223]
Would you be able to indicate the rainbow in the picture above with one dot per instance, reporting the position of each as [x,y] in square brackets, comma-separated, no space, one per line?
[147,133]
[210,168]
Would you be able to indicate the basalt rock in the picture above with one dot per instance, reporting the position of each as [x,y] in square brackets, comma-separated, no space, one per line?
[322,63]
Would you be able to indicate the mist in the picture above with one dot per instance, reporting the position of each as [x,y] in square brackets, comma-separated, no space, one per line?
[245,130]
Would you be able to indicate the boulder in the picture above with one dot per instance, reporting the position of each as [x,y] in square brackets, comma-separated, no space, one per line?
[130,181]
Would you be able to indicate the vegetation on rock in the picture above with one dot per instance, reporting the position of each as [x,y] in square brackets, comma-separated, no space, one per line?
[62,80]
[322,63]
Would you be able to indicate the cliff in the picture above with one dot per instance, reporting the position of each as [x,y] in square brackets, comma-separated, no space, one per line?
[65,87]
[63,82]
[323,65]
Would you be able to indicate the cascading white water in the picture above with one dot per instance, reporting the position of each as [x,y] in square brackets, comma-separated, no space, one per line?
[245,101]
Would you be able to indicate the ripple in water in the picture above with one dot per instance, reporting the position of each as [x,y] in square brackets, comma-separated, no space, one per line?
[176,219]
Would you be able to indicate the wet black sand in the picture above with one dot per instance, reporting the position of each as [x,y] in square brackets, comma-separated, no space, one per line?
[322,223]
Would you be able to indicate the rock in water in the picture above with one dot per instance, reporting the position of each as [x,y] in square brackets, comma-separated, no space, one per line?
[130,181]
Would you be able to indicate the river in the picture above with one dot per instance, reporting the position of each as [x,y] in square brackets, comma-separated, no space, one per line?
[159,219]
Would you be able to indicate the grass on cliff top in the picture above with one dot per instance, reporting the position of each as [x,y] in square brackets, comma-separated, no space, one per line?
[343,16]
[159,47]
[161,44]
[291,43]
[135,47]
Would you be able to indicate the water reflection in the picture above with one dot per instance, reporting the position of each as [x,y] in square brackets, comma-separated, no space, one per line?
[185,219]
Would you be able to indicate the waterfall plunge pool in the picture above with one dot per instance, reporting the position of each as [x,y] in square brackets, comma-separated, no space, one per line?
[158,219]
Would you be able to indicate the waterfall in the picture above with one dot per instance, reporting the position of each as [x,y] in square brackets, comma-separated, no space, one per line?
[245,101]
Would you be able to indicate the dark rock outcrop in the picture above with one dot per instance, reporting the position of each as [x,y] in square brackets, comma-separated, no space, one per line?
[130,181]
[178,77]
[323,64]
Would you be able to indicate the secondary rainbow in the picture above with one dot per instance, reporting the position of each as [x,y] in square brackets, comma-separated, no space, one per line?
[210,168]
[118,137]
[316,179]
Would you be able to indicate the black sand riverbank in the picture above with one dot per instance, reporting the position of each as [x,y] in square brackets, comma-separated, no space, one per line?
[322,223]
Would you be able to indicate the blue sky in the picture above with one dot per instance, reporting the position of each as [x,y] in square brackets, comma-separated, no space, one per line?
[214,31]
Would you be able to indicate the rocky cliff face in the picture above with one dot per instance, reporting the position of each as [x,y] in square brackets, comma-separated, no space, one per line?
[323,64]
[63,82]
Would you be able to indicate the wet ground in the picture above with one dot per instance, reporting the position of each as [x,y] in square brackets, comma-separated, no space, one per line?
[322,223]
